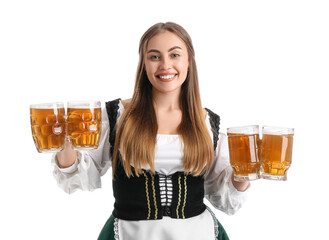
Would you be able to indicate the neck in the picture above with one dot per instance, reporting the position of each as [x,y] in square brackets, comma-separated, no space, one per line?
[166,101]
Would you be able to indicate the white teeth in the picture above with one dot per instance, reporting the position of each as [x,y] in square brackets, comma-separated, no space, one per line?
[166,76]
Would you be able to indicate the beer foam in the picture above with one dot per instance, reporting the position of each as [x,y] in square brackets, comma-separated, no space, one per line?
[84,104]
[47,105]
[277,130]
[251,129]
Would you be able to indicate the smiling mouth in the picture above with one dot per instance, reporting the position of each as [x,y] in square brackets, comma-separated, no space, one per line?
[167,77]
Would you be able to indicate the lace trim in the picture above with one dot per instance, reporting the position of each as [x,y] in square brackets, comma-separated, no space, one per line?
[147,196]
[154,198]
[216,232]
[180,197]
[185,195]
[214,120]
[112,108]
[116,229]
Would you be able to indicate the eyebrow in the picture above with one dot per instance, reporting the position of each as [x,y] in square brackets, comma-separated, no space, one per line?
[170,49]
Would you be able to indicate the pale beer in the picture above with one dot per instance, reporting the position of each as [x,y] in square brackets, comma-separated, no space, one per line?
[84,124]
[48,126]
[276,152]
[243,149]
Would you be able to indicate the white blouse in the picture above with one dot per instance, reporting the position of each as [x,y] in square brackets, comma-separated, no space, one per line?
[90,165]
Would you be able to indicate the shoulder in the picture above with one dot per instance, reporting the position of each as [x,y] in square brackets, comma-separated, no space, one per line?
[116,103]
[213,117]
[126,103]
[204,112]
[113,109]
[214,121]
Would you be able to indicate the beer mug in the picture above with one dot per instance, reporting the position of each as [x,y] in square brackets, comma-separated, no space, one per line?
[243,145]
[84,124]
[48,126]
[276,152]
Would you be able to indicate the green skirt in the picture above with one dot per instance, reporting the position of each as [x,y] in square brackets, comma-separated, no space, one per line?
[108,231]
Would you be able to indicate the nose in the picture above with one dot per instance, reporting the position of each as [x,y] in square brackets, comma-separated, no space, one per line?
[165,63]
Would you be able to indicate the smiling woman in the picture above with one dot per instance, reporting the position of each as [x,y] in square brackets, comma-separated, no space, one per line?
[165,49]
[165,150]
[166,62]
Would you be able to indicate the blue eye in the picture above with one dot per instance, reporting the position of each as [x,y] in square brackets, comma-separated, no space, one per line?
[175,55]
[154,57]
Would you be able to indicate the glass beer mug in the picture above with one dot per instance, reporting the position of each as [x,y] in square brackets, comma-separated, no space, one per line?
[48,126]
[276,152]
[243,145]
[84,124]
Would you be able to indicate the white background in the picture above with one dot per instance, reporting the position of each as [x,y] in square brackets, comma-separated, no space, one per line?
[260,62]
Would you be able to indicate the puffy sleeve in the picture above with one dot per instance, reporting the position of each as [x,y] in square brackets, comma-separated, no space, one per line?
[219,189]
[89,166]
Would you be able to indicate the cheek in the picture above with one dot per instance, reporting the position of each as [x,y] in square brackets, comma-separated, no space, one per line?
[150,68]
[183,66]
[149,72]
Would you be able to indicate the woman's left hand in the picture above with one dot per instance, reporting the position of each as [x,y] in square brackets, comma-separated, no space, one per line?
[240,186]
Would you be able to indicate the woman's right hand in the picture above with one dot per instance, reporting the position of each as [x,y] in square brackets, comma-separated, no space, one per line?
[67,156]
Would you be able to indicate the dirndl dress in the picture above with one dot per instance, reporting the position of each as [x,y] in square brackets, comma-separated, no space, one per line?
[89,166]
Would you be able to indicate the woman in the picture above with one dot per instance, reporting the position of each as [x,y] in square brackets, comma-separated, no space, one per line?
[165,151]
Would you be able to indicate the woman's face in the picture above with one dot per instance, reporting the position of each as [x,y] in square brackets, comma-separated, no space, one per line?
[166,62]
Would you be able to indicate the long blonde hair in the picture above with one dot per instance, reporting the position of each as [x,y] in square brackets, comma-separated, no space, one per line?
[137,127]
